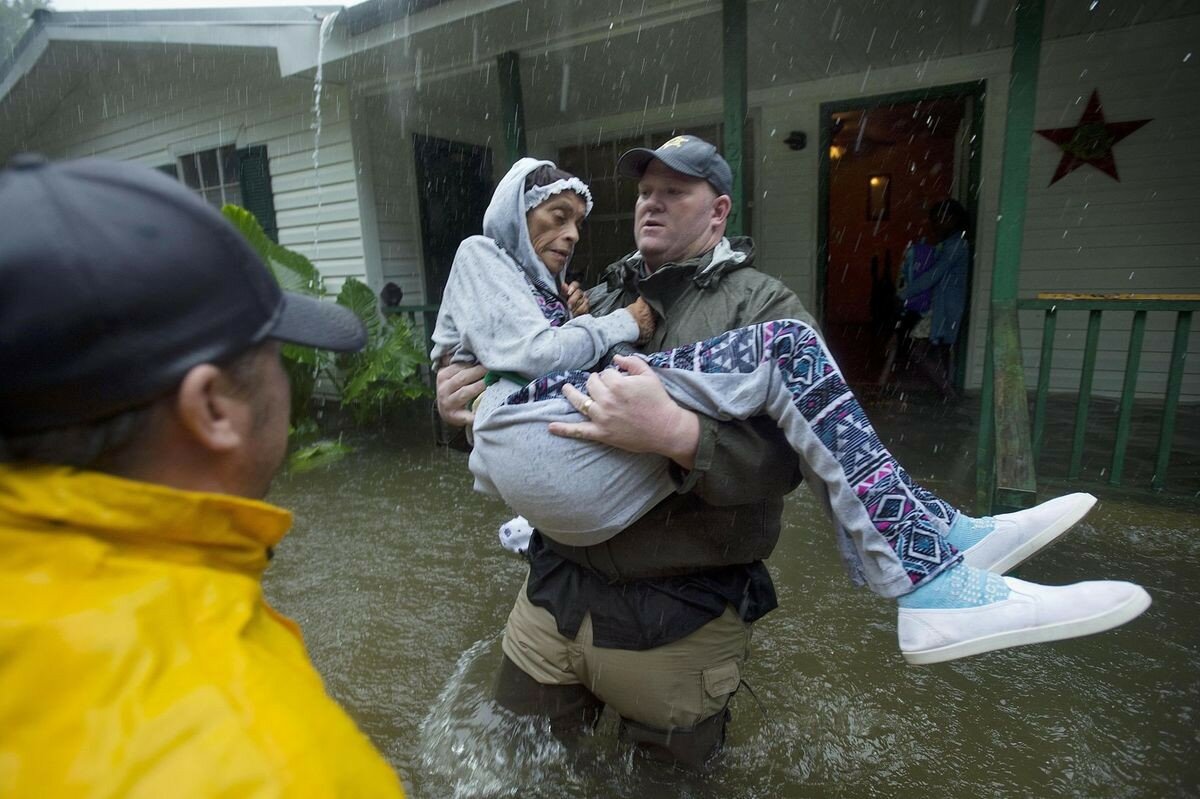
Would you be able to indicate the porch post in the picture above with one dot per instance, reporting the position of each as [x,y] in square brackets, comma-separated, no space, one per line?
[1018,139]
[512,107]
[733,62]
[1010,228]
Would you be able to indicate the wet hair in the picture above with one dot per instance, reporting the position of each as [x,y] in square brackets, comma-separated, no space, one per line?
[951,213]
[544,175]
[104,444]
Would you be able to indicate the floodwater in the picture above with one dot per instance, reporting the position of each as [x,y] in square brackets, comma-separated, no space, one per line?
[394,572]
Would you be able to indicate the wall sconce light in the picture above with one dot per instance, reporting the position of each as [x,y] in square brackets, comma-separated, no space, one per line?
[796,140]
[879,198]
[836,151]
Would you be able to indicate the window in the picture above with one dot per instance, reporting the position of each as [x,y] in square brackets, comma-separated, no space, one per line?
[229,176]
[214,174]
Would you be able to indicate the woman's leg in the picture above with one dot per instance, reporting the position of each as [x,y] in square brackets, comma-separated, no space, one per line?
[783,369]
[899,532]
[892,529]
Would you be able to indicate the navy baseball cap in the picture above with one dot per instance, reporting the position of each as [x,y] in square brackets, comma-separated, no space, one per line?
[686,154]
[115,280]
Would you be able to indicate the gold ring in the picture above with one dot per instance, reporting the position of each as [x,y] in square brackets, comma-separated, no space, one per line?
[586,407]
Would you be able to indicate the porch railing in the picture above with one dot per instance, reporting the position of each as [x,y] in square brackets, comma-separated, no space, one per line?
[1008,460]
[1182,305]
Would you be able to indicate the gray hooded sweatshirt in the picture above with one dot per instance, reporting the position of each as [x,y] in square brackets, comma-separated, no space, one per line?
[489,312]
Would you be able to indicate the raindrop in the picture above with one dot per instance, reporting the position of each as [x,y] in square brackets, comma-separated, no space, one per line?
[566,83]
[1186,57]
[1095,3]
[977,14]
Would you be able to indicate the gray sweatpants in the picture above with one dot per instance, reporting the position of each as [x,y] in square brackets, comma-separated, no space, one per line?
[577,492]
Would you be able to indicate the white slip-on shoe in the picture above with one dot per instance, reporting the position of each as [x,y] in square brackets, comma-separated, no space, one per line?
[1031,614]
[1018,536]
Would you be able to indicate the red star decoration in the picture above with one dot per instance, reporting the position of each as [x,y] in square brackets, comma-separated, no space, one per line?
[1090,142]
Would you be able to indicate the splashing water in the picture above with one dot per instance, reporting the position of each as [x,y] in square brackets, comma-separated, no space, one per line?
[474,747]
[318,84]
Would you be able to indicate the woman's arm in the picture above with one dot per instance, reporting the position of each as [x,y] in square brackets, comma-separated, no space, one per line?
[499,321]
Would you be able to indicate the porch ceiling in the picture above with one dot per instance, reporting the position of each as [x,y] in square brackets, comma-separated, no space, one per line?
[594,58]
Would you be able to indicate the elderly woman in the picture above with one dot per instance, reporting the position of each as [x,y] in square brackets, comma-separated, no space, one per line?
[505,307]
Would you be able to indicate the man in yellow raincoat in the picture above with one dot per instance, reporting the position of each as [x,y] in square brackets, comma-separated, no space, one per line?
[143,412]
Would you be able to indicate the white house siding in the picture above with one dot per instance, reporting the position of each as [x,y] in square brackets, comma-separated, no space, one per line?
[1091,233]
[147,107]
[395,189]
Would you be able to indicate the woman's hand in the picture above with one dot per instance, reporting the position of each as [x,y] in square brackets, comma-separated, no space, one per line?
[577,300]
[643,314]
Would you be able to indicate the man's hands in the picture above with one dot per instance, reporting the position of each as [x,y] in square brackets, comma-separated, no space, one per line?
[633,412]
[457,387]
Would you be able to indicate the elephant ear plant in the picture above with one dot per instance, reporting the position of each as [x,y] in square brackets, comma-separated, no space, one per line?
[367,384]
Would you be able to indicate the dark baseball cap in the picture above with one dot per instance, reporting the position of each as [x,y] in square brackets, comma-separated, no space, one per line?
[115,280]
[686,154]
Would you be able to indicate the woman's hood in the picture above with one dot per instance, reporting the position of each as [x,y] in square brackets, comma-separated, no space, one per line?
[504,222]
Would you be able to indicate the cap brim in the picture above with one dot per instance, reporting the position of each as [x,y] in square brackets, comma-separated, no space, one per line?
[315,323]
[632,163]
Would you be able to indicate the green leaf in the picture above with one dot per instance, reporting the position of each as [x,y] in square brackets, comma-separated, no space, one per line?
[317,455]
[292,270]
[358,297]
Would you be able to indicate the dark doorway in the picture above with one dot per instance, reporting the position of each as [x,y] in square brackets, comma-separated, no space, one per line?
[885,161]
[454,184]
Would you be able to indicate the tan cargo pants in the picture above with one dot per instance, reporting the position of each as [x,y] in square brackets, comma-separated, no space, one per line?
[671,689]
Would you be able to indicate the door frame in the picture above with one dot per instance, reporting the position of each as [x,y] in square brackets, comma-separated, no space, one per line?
[975,90]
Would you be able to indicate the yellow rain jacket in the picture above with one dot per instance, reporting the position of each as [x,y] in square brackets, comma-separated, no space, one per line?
[138,657]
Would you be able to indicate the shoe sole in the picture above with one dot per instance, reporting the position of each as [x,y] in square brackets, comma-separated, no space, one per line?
[1034,545]
[1127,611]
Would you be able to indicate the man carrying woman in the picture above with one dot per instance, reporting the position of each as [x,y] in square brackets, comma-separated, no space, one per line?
[644,599]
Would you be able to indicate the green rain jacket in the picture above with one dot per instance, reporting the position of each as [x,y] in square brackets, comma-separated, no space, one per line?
[728,508]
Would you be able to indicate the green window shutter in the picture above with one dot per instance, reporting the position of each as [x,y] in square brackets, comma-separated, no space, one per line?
[257,196]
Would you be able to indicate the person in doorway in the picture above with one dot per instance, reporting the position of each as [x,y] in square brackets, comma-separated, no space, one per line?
[934,292]
[664,642]
[143,412]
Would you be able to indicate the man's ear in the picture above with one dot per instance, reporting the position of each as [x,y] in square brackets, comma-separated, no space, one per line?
[208,411]
[721,208]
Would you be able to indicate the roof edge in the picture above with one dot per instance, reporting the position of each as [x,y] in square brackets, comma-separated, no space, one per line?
[374,13]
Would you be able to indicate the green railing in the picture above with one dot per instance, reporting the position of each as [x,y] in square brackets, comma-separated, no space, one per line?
[1010,448]
[1182,305]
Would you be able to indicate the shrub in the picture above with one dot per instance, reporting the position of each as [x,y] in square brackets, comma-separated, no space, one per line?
[367,384]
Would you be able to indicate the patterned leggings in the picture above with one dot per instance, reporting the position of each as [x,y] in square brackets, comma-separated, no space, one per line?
[579,492]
